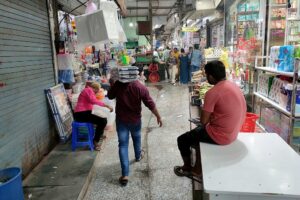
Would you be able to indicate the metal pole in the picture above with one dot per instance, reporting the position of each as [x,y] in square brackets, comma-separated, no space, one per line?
[151,21]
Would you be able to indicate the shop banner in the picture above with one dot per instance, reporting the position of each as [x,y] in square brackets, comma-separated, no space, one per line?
[189,29]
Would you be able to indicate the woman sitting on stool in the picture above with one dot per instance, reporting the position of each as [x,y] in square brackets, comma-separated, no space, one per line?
[83,110]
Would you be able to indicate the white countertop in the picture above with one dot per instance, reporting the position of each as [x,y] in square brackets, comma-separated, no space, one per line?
[256,163]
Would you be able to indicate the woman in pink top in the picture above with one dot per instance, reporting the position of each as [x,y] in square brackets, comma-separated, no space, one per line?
[83,110]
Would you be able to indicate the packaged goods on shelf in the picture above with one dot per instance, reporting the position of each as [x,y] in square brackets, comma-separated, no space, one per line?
[264,82]
[274,57]
[296,132]
[286,58]
[275,122]
[197,76]
[297,106]
[213,53]
[276,89]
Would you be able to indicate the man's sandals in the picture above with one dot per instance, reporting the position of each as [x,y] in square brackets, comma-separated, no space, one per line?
[183,173]
[123,181]
[141,156]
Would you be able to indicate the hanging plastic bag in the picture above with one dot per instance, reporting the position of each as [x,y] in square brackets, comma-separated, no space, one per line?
[90,7]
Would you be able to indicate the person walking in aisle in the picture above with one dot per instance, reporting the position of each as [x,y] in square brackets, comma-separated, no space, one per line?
[83,110]
[184,67]
[222,117]
[129,98]
[196,59]
[190,60]
[173,67]
[166,55]
[176,54]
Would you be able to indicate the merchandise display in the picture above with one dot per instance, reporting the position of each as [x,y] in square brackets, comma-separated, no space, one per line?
[277,21]
[293,23]
[217,35]
[277,86]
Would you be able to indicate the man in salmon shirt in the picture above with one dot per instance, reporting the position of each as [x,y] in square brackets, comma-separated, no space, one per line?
[222,116]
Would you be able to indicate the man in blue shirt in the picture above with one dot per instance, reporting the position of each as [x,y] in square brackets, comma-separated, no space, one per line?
[196,59]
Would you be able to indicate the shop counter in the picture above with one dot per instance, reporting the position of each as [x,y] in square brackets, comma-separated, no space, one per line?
[257,166]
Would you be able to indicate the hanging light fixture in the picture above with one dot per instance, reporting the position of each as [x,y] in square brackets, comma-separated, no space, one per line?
[130,24]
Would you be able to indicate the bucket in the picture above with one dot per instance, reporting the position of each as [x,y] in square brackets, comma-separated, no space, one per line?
[249,123]
[11,184]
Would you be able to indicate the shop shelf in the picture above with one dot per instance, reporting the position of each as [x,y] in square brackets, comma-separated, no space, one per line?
[283,5]
[274,104]
[248,12]
[268,69]
[261,127]
[293,19]
[277,18]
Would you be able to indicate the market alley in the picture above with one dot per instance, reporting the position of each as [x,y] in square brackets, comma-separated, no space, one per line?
[153,177]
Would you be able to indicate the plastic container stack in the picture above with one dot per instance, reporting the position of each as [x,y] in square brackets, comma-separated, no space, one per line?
[128,74]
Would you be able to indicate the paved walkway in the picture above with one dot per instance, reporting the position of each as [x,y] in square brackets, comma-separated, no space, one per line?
[153,177]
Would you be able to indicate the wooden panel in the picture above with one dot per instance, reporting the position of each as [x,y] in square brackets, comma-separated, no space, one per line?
[26,66]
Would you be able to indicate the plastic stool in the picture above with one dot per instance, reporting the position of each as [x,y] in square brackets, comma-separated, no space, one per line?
[82,135]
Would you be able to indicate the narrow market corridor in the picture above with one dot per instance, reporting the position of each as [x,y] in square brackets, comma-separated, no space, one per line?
[153,177]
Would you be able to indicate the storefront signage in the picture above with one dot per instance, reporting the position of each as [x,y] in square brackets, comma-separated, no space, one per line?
[189,29]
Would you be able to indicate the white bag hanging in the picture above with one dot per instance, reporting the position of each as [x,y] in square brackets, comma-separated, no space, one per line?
[100,111]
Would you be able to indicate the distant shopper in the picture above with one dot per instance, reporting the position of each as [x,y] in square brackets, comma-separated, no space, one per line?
[155,53]
[96,55]
[222,117]
[190,60]
[196,59]
[129,98]
[173,67]
[184,67]
[84,107]
[176,54]
[166,55]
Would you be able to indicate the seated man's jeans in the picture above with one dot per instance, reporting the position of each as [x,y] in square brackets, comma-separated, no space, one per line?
[123,130]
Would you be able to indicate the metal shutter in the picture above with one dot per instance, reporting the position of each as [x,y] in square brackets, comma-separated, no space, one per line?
[26,69]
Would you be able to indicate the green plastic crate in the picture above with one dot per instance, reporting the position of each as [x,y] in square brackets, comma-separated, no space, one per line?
[140,59]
